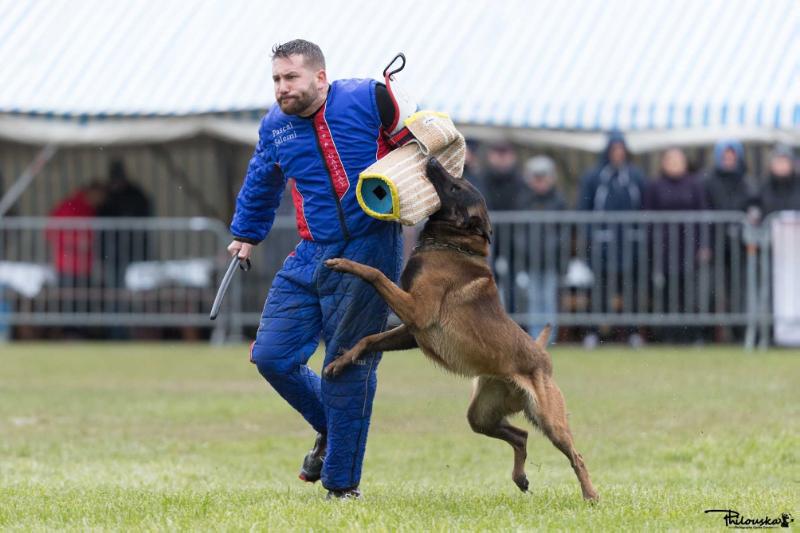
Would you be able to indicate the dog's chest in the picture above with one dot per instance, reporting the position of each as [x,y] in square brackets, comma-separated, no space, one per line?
[410,272]
[445,351]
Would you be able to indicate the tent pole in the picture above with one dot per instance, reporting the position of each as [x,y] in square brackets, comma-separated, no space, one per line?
[26,178]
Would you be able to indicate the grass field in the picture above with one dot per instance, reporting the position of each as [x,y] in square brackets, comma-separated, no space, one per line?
[189,437]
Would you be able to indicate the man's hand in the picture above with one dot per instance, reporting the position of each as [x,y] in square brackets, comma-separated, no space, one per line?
[242,249]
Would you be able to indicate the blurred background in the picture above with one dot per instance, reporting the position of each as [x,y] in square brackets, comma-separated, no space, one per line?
[639,158]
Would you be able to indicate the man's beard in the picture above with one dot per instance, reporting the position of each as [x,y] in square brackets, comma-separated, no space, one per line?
[300,103]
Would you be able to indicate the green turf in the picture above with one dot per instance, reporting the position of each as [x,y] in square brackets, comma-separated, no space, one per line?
[182,437]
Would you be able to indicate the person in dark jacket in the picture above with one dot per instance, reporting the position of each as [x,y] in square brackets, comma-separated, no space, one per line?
[780,190]
[472,164]
[614,184]
[123,199]
[727,185]
[541,278]
[501,180]
[542,180]
[729,188]
[677,190]
[121,247]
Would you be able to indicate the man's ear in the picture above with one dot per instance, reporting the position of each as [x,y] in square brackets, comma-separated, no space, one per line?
[322,77]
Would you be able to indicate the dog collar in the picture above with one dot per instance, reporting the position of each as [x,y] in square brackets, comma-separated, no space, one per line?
[431,244]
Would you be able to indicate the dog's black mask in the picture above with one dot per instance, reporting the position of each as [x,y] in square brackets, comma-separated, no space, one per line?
[463,205]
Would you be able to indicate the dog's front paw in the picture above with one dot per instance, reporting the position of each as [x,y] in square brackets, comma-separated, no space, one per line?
[333,369]
[339,264]
[345,359]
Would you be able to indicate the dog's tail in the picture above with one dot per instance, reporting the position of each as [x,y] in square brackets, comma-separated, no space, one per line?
[544,335]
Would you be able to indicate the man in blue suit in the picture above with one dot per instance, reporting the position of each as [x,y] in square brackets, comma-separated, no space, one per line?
[320,136]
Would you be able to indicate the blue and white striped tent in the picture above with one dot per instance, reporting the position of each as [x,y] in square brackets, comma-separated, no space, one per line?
[665,71]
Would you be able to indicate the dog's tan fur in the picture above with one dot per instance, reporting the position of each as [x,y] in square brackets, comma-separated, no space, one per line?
[450,308]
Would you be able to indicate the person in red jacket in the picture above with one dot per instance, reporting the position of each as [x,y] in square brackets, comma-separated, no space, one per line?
[73,249]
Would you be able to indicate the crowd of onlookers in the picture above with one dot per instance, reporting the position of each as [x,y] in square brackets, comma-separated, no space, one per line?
[615,183]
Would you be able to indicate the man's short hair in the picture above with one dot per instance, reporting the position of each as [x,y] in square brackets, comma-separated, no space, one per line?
[310,52]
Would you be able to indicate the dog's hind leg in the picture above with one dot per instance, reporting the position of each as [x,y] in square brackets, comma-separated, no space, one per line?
[399,300]
[492,401]
[546,409]
[398,338]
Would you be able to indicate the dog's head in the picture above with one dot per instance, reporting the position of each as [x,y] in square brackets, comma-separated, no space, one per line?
[463,206]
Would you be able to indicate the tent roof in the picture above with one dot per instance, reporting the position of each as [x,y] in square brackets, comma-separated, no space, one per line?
[580,65]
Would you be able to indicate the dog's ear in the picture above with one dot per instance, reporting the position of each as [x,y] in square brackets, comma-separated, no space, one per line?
[478,226]
[544,335]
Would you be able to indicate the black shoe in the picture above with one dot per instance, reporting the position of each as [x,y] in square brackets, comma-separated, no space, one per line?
[344,494]
[311,470]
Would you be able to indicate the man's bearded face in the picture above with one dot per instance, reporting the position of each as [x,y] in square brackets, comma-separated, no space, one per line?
[296,87]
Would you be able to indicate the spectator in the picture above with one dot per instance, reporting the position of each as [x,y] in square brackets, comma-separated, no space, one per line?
[677,190]
[501,181]
[728,188]
[125,198]
[614,184]
[780,189]
[471,162]
[543,268]
[121,247]
[73,250]
[501,184]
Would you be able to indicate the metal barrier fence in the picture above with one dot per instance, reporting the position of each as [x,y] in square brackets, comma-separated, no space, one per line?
[670,270]
[662,270]
[113,273]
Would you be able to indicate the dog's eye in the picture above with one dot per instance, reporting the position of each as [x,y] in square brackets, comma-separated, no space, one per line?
[453,188]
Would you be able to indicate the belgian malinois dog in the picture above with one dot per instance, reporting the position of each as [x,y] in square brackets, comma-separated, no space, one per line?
[450,309]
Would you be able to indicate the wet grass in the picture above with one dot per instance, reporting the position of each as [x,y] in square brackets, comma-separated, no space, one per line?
[189,437]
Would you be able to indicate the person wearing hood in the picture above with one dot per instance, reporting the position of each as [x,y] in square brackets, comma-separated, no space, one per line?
[727,185]
[614,184]
[728,188]
[780,190]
